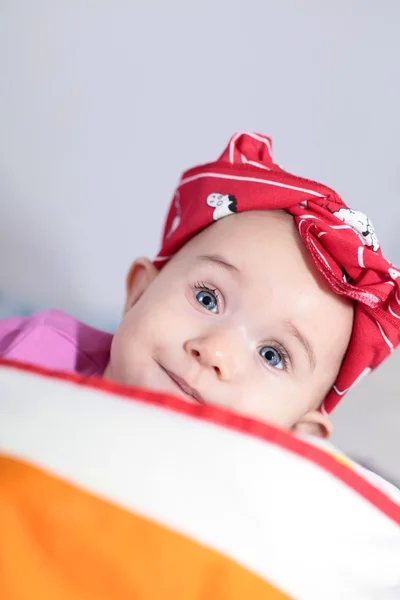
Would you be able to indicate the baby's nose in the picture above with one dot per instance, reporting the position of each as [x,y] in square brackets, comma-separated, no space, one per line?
[215,352]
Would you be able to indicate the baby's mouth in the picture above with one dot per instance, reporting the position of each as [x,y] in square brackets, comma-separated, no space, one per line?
[183,385]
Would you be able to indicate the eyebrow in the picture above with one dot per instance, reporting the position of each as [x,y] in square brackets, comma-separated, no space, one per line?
[218,261]
[304,342]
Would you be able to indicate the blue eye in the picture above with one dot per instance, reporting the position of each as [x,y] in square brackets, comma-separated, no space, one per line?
[208,300]
[272,357]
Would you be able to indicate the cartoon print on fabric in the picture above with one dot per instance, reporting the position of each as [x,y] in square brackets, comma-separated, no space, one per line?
[177,219]
[223,205]
[361,224]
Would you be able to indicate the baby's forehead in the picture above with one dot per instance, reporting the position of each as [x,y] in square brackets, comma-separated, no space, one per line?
[250,226]
[249,237]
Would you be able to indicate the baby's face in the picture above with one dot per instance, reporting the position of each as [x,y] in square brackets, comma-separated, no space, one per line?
[239,318]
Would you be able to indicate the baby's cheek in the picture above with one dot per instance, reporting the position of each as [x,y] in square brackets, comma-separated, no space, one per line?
[275,400]
[170,311]
[153,321]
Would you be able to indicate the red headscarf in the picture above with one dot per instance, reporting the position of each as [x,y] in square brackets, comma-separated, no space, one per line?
[341,241]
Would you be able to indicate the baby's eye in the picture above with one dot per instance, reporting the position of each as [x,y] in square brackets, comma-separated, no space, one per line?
[272,357]
[208,300]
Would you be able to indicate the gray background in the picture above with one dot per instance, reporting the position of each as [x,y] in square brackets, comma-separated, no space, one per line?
[104,103]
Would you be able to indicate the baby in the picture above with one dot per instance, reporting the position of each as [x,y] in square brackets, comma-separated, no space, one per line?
[274,311]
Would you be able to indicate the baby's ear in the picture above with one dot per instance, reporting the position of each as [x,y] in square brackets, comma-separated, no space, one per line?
[140,276]
[314,423]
